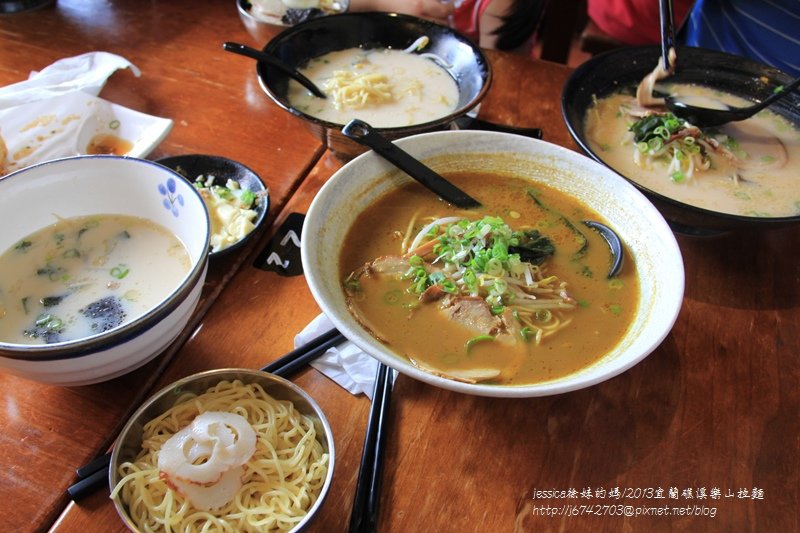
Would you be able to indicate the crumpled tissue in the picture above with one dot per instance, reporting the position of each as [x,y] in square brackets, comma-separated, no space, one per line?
[56,113]
[345,364]
[87,72]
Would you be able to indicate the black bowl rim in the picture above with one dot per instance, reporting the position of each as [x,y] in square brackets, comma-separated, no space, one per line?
[399,130]
[574,80]
[263,207]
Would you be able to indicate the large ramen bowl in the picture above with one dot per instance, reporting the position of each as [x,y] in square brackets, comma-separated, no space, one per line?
[129,442]
[35,197]
[314,38]
[650,244]
[625,67]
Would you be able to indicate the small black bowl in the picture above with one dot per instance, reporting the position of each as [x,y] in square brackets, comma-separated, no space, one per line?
[618,69]
[313,38]
[193,165]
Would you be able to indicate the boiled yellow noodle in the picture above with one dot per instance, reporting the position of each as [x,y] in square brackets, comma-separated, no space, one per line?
[282,479]
[355,91]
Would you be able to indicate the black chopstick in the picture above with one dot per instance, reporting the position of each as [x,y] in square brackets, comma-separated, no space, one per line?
[301,355]
[94,474]
[364,515]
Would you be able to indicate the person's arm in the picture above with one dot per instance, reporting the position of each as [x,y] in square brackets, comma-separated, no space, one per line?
[491,19]
[429,9]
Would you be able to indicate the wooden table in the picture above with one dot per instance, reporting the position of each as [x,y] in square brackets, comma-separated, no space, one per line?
[707,424]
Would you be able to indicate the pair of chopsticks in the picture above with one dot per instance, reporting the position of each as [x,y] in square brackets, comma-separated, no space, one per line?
[94,474]
[364,516]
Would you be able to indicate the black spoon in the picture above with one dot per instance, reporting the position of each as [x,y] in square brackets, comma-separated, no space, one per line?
[703,117]
[273,61]
[363,133]
[614,243]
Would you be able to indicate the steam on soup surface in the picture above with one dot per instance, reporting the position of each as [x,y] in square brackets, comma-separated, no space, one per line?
[514,292]
[748,168]
[85,275]
[384,87]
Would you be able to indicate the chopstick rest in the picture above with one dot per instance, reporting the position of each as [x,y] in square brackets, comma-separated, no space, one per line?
[366,503]
[94,474]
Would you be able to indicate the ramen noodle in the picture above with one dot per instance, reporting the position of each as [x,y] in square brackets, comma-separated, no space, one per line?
[384,87]
[747,168]
[277,484]
[513,292]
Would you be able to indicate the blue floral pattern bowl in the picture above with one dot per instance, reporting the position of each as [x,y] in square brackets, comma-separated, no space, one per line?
[31,198]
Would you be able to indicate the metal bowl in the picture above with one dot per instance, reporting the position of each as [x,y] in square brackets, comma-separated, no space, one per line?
[613,71]
[307,40]
[129,442]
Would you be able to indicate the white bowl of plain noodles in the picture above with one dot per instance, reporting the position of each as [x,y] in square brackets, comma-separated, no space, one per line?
[254,453]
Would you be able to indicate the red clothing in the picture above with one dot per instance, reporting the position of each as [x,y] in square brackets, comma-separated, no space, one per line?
[634,22]
[467,17]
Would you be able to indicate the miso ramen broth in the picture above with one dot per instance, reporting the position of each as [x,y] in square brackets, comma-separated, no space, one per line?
[85,275]
[747,168]
[384,87]
[530,301]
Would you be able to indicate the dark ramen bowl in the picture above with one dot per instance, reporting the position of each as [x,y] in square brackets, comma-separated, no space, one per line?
[625,67]
[129,442]
[191,166]
[313,38]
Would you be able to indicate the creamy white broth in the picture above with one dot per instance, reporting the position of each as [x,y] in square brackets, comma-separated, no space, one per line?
[82,276]
[764,183]
[387,88]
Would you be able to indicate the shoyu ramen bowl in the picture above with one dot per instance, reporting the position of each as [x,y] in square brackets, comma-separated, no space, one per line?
[37,196]
[297,45]
[129,442]
[616,70]
[650,244]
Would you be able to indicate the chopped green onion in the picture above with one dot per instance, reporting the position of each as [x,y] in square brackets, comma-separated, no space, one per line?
[480,338]
[49,322]
[120,271]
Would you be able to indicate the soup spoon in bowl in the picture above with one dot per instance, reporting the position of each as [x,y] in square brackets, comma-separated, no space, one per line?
[273,61]
[363,133]
[704,117]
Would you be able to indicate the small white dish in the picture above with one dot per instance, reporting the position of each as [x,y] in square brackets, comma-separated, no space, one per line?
[67,125]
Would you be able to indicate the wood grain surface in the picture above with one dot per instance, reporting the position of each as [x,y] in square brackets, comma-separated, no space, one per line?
[708,423]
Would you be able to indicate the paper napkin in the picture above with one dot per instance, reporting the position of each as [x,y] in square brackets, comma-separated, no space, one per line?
[345,364]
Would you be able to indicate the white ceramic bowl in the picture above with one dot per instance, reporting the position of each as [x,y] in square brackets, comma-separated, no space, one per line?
[85,185]
[129,443]
[651,244]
